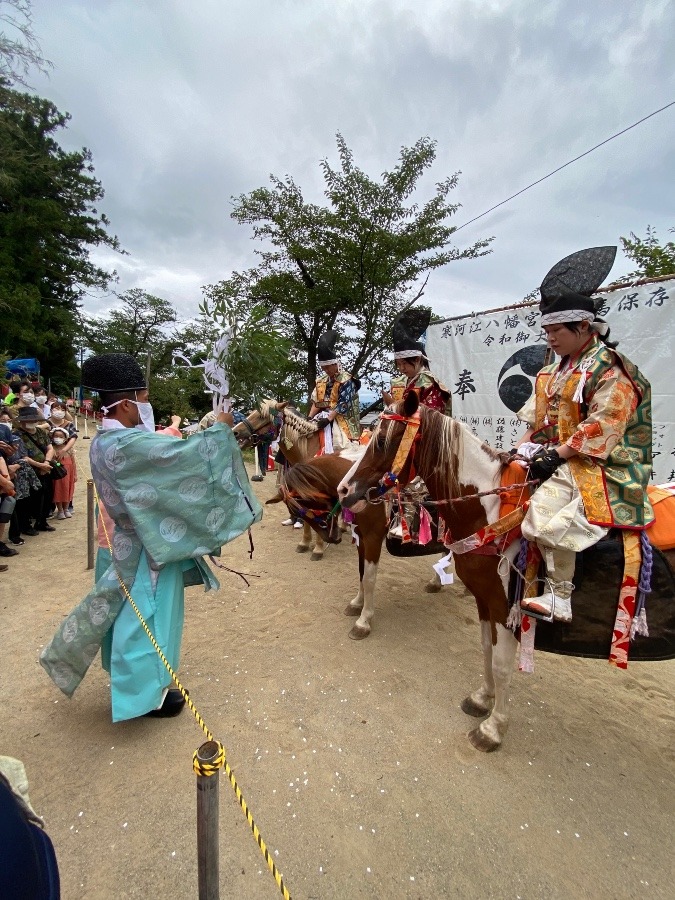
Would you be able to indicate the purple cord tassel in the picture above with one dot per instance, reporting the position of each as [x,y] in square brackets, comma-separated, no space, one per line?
[639,623]
[515,613]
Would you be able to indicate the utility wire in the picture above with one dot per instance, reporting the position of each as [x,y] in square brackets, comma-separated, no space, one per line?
[581,155]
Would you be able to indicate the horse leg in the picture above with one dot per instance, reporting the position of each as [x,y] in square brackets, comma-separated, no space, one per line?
[490,733]
[370,547]
[434,585]
[305,542]
[318,548]
[480,702]
[356,605]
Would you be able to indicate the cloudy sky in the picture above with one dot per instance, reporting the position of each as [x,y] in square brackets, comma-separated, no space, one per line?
[184,105]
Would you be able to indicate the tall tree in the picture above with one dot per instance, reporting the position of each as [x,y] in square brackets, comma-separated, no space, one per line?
[653,258]
[19,48]
[353,263]
[48,222]
[141,326]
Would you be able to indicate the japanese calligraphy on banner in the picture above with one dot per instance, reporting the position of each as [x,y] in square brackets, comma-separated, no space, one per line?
[489,360]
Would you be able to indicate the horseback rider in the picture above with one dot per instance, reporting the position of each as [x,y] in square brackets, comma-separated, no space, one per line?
[590,423]
[413,365]
[335,398]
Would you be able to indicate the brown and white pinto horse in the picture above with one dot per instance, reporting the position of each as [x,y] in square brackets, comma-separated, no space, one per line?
[311,488]
[454,463]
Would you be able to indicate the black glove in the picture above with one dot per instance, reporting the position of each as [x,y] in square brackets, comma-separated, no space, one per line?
[322,422]
[544,463]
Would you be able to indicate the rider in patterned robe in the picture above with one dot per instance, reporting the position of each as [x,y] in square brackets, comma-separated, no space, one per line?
[413,364]
[592,411]
[335,398]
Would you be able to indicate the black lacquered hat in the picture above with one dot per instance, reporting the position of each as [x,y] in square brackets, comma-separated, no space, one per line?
[566,290]
[113,372]
[408,329]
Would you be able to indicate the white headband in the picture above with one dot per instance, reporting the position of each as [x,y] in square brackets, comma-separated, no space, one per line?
[327,362]
[406,354]
[567,315]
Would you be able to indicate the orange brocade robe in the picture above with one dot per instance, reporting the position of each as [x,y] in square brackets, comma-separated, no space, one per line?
[611,428]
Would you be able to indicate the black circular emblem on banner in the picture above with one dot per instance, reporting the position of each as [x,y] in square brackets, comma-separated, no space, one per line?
[516,378]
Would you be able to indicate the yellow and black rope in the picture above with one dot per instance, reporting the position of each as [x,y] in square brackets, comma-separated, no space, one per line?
[199,766]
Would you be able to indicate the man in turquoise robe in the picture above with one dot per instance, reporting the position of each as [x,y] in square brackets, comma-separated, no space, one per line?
[172,502]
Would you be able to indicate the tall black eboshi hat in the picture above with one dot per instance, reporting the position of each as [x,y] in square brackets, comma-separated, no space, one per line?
[566,290]
[408,328]
[112,373]
[325,349]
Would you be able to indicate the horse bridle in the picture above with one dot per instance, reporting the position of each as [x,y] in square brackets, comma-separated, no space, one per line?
[253,437]
[405,455]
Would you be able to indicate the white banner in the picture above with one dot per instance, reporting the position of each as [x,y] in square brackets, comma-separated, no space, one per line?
[489,360]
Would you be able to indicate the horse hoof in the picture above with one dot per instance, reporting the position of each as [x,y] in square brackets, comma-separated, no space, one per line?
[359,632]
[315,556]
[432,588]
[473,709]
[301,549]
[353,610]
[482,742]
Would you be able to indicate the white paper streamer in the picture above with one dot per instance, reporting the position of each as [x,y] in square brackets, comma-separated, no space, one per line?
[440,567]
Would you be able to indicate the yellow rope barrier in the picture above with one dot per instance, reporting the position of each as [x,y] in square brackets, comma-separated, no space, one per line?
[200,767]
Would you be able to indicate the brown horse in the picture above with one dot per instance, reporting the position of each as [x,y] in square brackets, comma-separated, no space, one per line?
[455,464]
[299,441]
[310,490]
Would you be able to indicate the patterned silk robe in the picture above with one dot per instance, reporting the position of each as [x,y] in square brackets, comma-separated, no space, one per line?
[609,425]
[172,502]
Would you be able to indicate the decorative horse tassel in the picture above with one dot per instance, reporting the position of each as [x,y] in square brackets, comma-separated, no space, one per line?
[425,527]
[639,623]
[405,531]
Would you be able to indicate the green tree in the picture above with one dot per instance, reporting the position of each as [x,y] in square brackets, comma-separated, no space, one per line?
[353,263]
[19,48]
[144,326]
[139,327]
[260,362]
[653,258]
[48,222]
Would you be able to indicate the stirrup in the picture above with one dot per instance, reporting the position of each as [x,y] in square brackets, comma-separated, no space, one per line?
[532,613]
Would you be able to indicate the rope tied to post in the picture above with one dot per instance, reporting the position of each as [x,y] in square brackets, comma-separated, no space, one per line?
[215,762]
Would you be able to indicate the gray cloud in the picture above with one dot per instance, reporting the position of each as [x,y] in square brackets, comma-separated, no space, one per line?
[184,106]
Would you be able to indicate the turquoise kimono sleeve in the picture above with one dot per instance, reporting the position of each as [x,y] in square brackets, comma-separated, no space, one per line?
[183,498]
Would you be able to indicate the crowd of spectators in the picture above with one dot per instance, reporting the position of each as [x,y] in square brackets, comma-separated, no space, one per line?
[37,464]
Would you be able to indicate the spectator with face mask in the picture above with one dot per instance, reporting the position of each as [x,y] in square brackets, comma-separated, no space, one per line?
[39,452]
[24,399]
[63,440]
[41,401]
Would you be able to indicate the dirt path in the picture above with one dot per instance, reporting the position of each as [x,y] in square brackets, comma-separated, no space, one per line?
[352,755]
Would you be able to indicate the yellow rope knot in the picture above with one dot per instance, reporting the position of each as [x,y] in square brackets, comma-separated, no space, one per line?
[209,768]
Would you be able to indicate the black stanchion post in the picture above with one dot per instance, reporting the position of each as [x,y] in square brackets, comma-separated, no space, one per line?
[207,824]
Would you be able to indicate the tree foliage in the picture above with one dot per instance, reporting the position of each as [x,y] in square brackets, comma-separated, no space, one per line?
[48,222]
[353,263]
[19,48]
[260,362]
[653,258]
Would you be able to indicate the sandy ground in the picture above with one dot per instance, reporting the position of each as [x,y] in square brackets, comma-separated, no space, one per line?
[352,756]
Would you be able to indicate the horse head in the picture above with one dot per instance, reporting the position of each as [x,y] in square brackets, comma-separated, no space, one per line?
[257,424]
[309,492]
[373,472]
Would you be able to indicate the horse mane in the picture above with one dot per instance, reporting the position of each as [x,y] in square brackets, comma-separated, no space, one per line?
[442,451]
[269,407]
[309,482]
